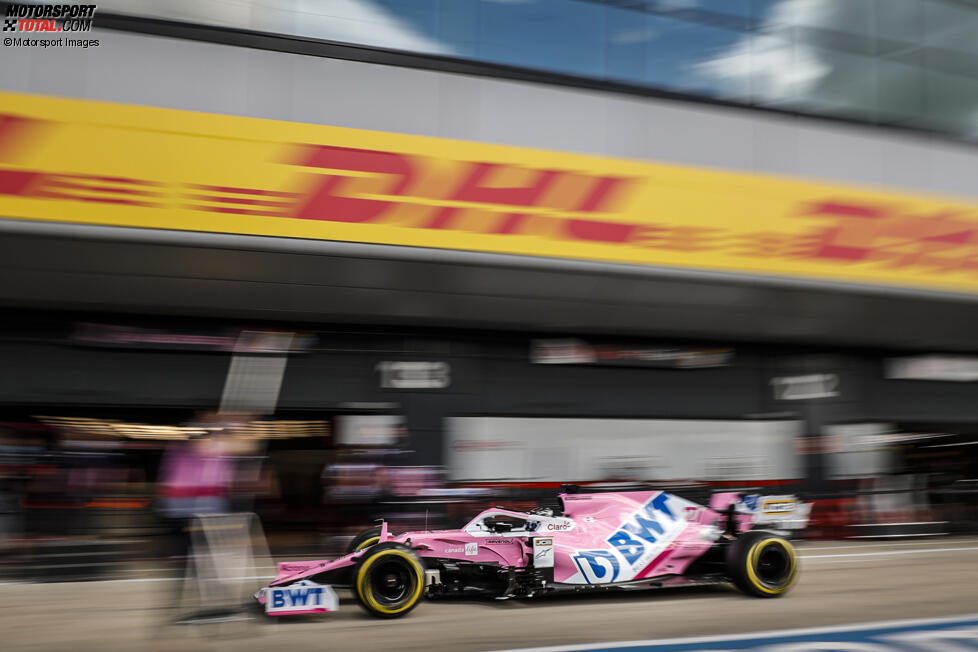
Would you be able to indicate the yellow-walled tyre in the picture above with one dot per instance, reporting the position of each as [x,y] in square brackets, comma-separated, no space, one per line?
[762,564]
[389,580]
[365,539]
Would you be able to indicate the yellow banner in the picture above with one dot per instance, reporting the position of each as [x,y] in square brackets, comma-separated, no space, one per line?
[98,163]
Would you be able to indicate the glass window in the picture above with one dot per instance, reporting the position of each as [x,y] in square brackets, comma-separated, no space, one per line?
[846,16]
[554,35]
[899,24]
[730,14]
[818,80]
[627,34]
[894,61]
[694,58]
[394,24]
[849,89]
[458,25]
[737,8]
[773,74]
[901,89]
[952,103]
[951,61]
[760,10]
[950,25]
[420,14]
[237,15]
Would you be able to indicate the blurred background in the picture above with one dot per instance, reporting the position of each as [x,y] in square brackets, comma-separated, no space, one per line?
[802,320]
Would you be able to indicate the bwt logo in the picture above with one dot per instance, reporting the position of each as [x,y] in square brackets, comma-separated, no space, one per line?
[650,525]
[304,597]
[644,527]
[597,566]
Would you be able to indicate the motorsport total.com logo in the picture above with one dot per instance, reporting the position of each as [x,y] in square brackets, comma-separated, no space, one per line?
[48,21]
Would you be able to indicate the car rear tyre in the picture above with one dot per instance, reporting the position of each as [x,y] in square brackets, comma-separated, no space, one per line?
[762,564]
[389,580]
[366,538]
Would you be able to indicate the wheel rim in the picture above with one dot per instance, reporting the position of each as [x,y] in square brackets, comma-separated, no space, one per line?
[391,581]
[773,566]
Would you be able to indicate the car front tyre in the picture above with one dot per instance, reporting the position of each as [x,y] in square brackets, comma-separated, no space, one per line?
[389,580]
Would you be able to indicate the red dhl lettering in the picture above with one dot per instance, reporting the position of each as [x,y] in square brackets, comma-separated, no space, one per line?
[406,184]
[867,233]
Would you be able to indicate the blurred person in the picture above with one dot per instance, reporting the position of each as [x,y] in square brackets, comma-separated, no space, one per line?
[195,480]
[195,476]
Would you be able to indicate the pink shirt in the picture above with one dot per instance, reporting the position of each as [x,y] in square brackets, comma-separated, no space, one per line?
[194,481]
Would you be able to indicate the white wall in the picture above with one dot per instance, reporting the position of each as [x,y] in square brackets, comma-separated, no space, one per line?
[859,452]
[587,450]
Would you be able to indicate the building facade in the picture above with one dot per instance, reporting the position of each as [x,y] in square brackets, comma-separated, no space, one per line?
[437,189]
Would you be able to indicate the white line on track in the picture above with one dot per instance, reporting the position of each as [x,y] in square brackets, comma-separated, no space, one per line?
[808,547]
[886,553]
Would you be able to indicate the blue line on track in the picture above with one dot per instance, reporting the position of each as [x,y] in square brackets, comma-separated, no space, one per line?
[959,634]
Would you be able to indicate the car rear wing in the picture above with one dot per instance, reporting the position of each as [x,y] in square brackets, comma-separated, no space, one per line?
[781,512]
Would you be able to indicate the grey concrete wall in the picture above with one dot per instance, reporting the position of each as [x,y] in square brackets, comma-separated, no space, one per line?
[199,76]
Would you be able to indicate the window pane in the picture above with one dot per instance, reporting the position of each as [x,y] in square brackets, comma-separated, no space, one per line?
[952,103]
[628,34]
[901,89]
[694,58]
[899,24]
[951,26]
[738,8]
[895,61]
[458,26]
[827,81]
[394,24]
[760,10]
[847,16]
[729,14]
[552,35]
[237,15]
[418,16]
[768,62]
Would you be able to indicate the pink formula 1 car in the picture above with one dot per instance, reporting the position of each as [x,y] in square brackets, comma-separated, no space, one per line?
[591,541]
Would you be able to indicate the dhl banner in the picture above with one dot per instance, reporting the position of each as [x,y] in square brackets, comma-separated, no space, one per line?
[97,163]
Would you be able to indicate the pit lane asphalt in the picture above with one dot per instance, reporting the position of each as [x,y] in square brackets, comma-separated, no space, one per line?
[842,582]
